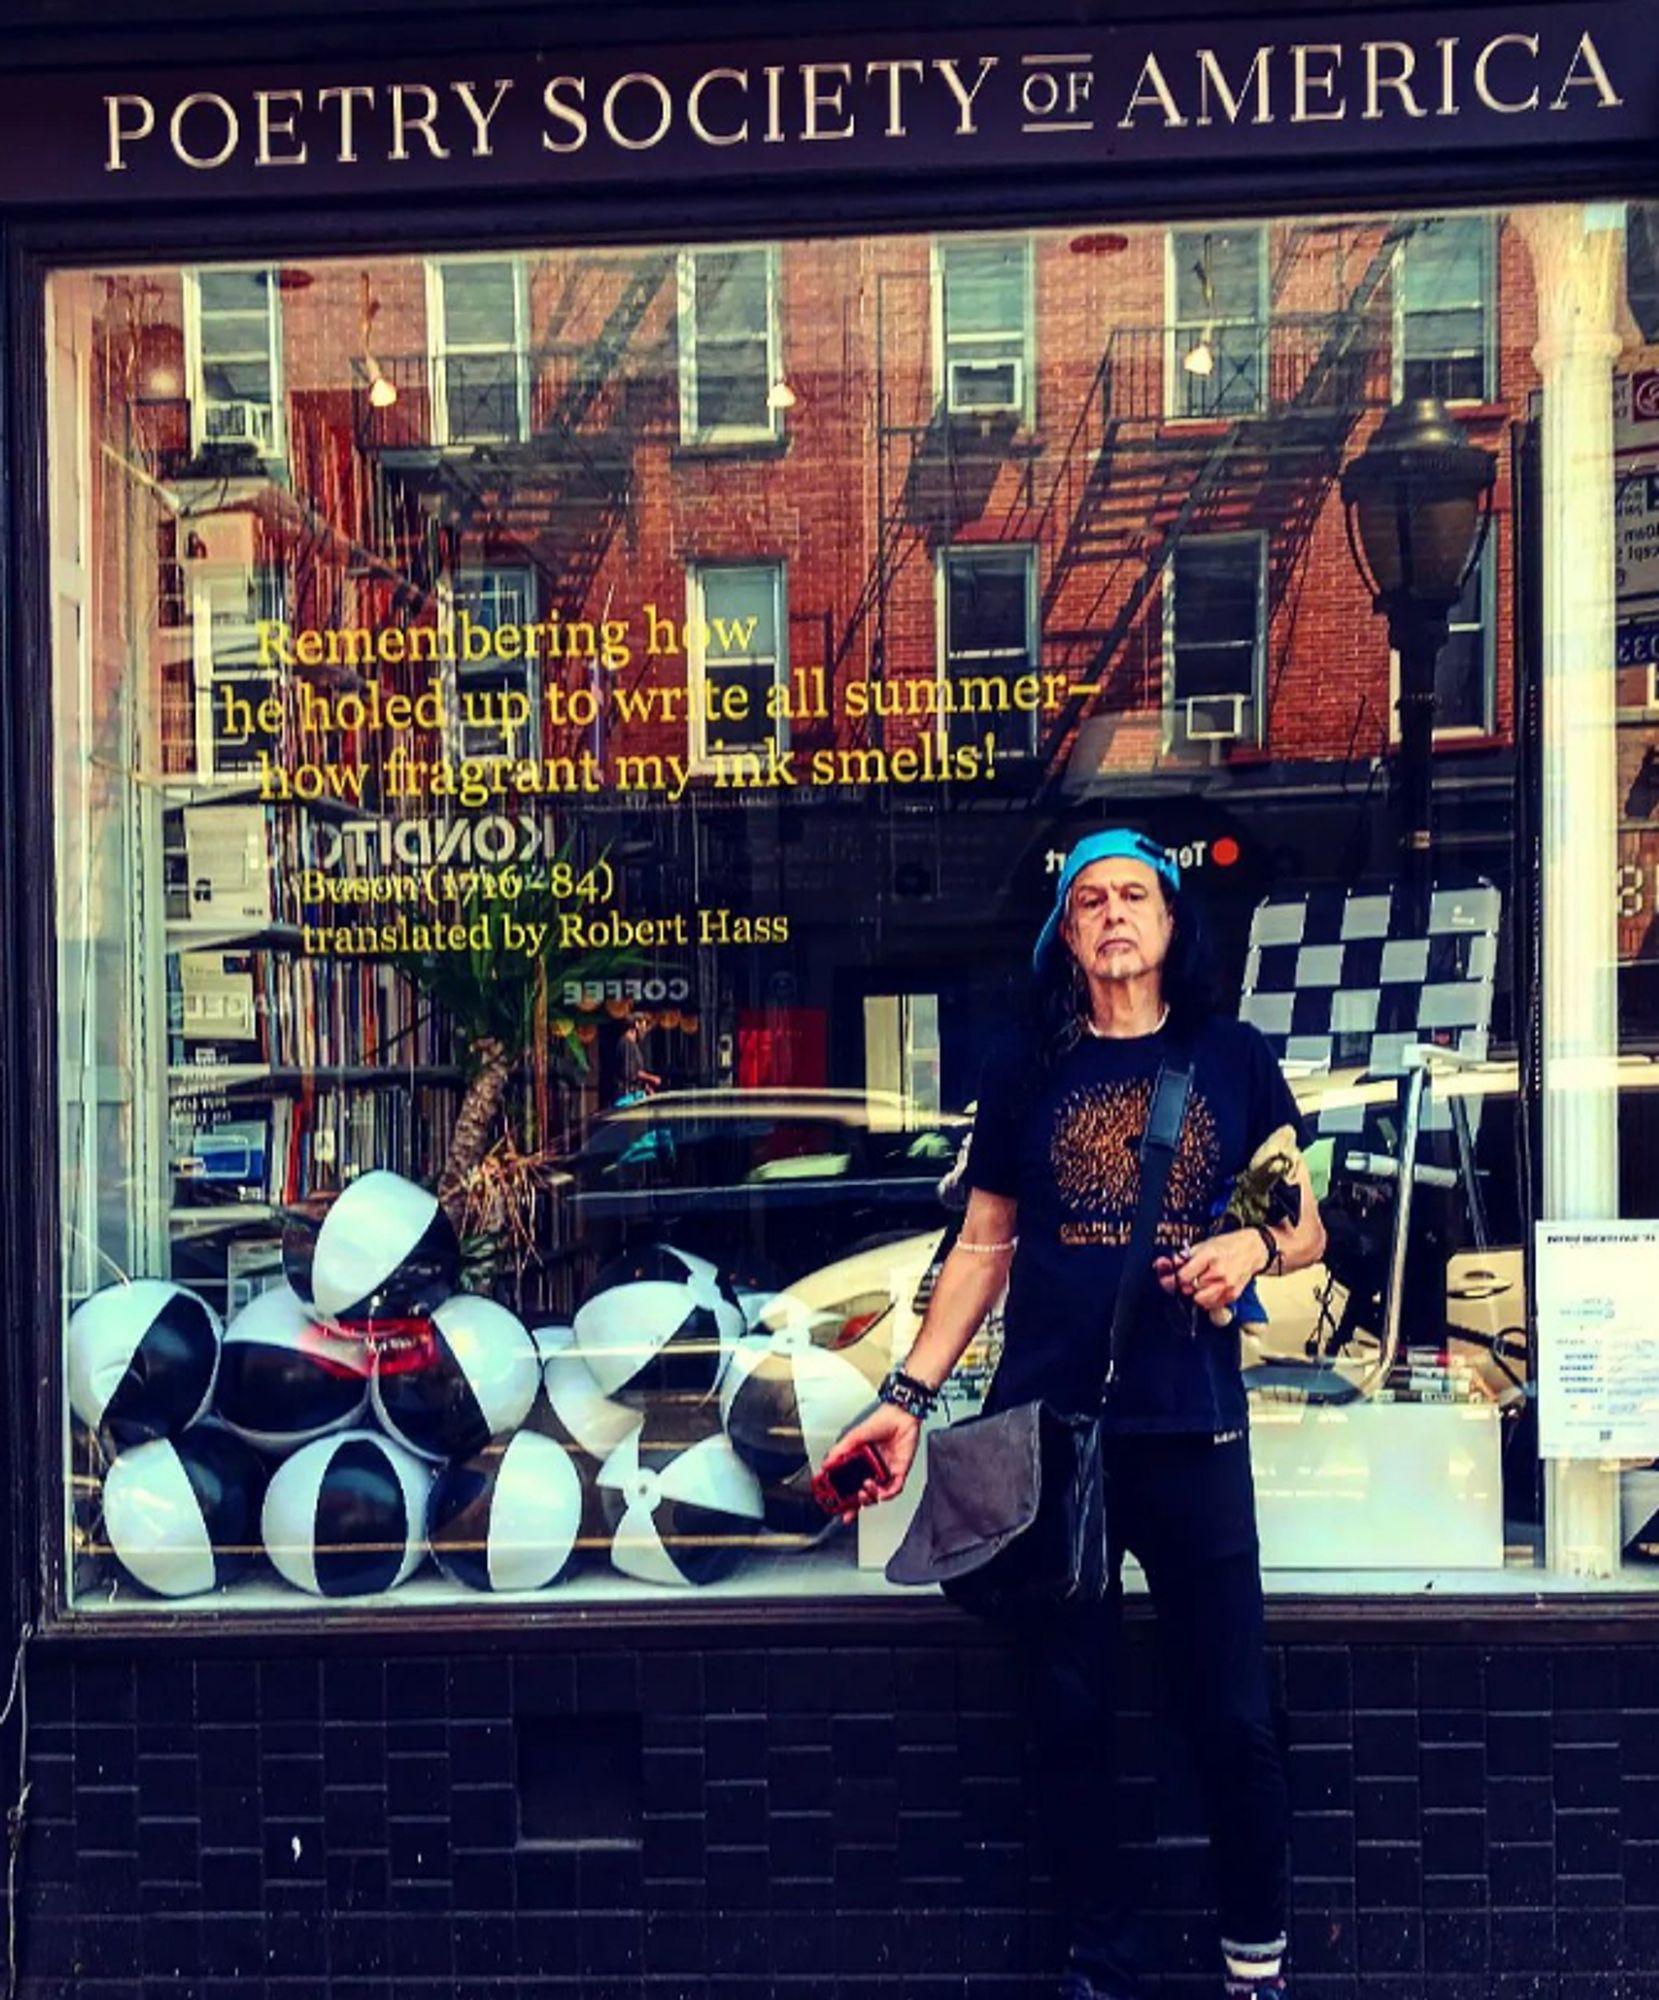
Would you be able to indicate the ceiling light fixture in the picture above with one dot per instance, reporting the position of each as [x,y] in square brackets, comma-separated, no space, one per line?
[382,389]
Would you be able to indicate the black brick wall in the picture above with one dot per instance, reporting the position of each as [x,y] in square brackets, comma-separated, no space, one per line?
[811,1815]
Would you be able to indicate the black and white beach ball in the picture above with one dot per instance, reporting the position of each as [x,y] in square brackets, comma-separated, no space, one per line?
[507,1519]
[784,1403]
[182,1514]
[589,1426]
[579,1413]
[142,1359]
[457,1380]
[755,1284]
[383,1249]
[659,1321]
[346,1516]
[679,1515]
[1639,1507]
[284,1377]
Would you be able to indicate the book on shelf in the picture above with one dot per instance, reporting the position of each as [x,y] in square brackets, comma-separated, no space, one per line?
[219,1158]
[253,1264]
[228,864]
[322,1139]
[213,1008]
[291,1148]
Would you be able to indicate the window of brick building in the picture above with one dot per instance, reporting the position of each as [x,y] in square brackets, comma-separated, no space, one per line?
[496,699]
[1214,637]
[990,643]
[233,348]
[1218,292]
[480,367]
[1445,323]
[984,312]
[729,349]
[738,652]
[1465,674]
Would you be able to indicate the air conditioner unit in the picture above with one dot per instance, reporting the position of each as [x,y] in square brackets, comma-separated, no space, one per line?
[985,388]
[1215,718]
[237,423]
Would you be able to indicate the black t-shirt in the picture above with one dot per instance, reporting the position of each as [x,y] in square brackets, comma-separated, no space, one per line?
[1064,1142]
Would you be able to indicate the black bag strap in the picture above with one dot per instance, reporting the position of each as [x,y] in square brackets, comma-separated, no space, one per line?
[1158,1145]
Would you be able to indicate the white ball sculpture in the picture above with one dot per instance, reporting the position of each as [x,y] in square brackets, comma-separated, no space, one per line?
[471,1375]
[142,1359]
[346,1516]
[182,1514]
[659,1322]
[784,1403]
[284,1378]
[384,1249]
[509,1518]
[679,1514]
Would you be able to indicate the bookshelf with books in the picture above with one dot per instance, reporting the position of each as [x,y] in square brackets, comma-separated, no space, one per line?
[287,1074]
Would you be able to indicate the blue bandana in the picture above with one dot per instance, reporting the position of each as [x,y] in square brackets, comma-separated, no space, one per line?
[1112,843]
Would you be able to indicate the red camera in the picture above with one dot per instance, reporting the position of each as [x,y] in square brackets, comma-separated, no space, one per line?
[837,1487]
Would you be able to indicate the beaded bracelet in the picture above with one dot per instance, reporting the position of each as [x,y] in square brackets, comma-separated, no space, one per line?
[986,1249]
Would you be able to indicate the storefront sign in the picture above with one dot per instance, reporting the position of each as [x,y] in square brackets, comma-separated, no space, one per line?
[1125,97]
[1598,1342]
[1637,526]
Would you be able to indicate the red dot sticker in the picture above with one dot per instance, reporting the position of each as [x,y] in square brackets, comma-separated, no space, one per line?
[1224,852]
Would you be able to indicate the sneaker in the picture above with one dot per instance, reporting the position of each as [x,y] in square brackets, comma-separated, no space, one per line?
[1254,1989]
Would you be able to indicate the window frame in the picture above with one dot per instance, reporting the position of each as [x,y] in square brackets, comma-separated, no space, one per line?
[700,753]
[693,432]
[1464,732]
[195,360]
[486,676]
[1489,307]
[1174,730]
[1176,376]
[949,556]
[439,348]
[1025,410]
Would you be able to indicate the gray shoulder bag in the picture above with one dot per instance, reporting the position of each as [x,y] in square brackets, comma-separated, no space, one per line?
[1013,1516]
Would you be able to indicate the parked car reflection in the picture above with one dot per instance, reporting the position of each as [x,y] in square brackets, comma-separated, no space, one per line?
[763,1180]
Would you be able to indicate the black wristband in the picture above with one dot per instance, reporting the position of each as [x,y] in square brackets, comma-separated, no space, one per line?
[1274,1253]
[905,1393]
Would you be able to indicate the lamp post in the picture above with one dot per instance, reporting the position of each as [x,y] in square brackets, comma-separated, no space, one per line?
[1417,502]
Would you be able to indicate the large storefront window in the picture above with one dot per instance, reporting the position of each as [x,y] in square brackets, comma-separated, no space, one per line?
[561,760]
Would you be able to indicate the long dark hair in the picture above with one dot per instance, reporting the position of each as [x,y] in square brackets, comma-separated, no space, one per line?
[1062,996]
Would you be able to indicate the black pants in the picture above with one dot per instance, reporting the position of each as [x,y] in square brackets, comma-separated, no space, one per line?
[1186,1508]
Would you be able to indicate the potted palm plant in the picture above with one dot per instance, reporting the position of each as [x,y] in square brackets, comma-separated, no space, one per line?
[508,1007]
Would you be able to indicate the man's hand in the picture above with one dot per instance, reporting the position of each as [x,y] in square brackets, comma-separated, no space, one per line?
[894,1433]
[1214,1273]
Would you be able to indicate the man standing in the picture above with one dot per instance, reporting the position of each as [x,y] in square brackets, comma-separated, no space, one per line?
[1053,1175]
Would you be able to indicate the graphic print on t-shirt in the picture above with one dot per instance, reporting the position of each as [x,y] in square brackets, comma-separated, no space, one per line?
[1094,1152]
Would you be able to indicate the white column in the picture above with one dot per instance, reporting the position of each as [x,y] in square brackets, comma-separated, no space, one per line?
[1577,261]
